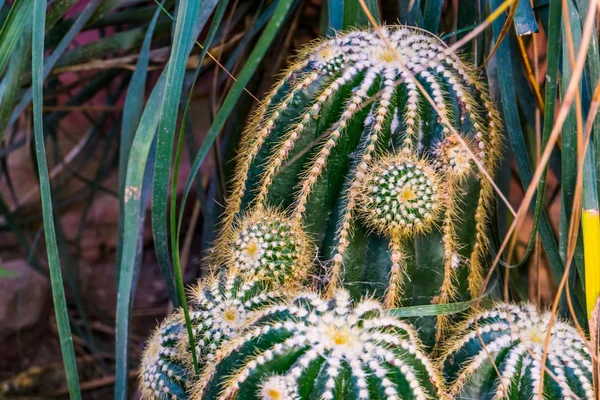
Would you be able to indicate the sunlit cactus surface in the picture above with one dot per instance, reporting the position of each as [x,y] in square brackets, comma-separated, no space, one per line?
[513,336]
[221,308]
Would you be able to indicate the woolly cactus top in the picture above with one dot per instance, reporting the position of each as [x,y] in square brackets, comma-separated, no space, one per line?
[267,244]
[514,337]
[400,196]
[315,348]
[163,374]
[222,307]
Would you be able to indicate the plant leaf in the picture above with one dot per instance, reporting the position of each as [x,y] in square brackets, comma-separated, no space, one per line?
[58,292]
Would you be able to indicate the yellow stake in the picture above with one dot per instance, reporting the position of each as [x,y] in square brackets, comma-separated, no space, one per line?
[590,221]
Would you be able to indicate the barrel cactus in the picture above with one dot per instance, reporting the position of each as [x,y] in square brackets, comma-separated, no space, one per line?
[322,349]
[220,309]
[389,187]
[163,372]
[514,337]
[266,244]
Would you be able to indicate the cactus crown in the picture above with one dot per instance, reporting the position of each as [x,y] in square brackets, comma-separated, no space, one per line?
[323,349]
[222,307]
[163,373]
[269,245]
[513,336]
[400,196]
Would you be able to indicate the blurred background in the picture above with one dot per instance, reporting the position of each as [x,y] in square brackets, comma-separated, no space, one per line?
[102,60]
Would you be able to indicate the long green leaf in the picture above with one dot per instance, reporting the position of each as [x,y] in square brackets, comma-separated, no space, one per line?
[58,293]
[18,18]
[133,196]
[175,232]
[132,113]
[13,79]
[355,16]
[136,166]
[432,15]
[81,20]
[335,13]
[524,20]
[187,12]
[259,51]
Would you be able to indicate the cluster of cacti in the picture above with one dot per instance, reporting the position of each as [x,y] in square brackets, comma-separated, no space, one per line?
[360,177]
[372,145]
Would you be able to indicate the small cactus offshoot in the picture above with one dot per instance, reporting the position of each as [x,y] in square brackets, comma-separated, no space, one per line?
[323,349]
[513,336]
[163,371]
[269,245]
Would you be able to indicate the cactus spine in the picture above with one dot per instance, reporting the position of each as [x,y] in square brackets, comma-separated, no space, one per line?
[325,349]
[222,307]
[346,112]
[513,337]
[163,371]
[268,245]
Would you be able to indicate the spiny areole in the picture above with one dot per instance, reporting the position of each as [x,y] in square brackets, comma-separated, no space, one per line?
[513,336]
[324,349]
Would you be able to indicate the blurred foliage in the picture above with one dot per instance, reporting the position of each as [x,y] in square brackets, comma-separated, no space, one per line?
[122,80]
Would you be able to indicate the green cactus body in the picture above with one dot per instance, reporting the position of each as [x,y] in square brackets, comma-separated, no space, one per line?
[514,337]
[163,371]
[267,245]
[321,147]
[221,308]
[322,349]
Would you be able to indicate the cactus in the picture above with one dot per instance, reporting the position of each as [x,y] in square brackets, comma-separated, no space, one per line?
[386,187]
[514,337]
[220,309]
[163,371]
[322,349]
[267,245]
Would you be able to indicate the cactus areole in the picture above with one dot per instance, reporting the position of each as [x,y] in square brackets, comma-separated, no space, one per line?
[323,349]
[498,354]
[164,374]
[373,143]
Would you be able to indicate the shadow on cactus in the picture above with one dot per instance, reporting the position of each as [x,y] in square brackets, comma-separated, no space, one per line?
[354,153]
[220,309]
[514,338]
[323,349]
[164,374]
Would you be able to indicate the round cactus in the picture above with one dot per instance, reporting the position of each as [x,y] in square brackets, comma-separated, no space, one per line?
[163,371]
[266,244]
[322,349]
[513,336]
[348,110]
[222,307]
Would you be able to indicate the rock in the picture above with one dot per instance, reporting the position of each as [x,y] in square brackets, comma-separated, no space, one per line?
[24,310]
